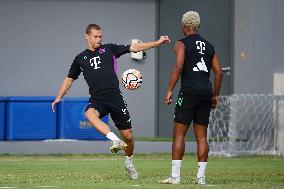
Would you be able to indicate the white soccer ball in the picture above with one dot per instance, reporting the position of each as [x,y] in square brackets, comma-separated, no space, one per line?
[131,79]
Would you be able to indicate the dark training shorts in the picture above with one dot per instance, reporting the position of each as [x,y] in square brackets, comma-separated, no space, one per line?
[112,103]
[193,107]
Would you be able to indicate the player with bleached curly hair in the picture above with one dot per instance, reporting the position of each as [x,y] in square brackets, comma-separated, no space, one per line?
[191,20]
[195,57]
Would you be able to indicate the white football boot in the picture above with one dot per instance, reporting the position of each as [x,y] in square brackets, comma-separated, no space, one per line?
[201,180]
[171,180]
[132,173]
[117,145]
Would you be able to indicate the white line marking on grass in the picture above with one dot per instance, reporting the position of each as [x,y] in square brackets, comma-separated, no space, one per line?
[209,185]
[136,185]
[7,187]
[47,186]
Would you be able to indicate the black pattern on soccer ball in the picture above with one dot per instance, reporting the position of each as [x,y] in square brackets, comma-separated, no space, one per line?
[130,80]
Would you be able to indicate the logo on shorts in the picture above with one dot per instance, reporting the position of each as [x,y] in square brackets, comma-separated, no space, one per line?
[124,111]
[179,101]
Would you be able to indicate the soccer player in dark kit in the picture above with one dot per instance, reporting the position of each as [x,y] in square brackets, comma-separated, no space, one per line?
[97,65]
[194,59]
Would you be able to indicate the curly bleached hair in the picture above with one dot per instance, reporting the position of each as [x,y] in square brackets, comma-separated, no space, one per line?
[191,20]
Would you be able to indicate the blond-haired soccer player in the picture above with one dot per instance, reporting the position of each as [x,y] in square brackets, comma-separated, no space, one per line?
[97,65]
[194,59]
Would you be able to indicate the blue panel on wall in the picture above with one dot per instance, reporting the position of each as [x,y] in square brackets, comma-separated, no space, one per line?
[72,123]
[30,118]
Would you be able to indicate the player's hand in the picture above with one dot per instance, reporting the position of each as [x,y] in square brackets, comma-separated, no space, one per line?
[168,97]
[56,101]
[214,102]
[164,40]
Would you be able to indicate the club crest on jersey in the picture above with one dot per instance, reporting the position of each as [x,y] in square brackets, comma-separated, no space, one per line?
[95,62]
[102,50]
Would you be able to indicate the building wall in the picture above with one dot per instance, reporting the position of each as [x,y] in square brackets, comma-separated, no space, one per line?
[258,44]
[39,40]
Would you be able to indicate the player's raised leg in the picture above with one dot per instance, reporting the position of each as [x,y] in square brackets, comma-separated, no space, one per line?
[93,116]
[202,151]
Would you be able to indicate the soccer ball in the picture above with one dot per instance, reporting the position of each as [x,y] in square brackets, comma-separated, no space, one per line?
[131,79]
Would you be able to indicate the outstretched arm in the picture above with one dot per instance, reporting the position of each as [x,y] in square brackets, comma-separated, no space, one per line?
[136,47]
[217,80]
[63,90]
[177,69]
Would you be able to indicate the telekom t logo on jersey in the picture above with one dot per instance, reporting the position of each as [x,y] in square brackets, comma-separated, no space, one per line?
[200,66]
[95,62]
[200,46]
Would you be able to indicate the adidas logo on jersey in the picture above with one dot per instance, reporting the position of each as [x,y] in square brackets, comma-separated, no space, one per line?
[200,66]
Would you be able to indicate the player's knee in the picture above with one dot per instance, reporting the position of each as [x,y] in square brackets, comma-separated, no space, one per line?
[87,113]
[202,140]
[127,136]
[91,112]
[178,136]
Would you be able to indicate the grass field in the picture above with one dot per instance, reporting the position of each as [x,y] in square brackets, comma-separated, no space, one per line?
[107,172]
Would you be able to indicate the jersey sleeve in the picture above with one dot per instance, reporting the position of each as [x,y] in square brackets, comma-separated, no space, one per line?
[74,70]
[119,50]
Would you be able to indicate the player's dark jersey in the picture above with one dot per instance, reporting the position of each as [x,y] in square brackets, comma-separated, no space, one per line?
[98,68]
[197,65]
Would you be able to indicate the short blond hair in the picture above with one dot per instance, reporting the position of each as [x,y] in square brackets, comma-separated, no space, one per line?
[191,20]
[92,26]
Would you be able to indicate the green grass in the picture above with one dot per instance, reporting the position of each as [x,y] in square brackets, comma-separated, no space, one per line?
[107,171]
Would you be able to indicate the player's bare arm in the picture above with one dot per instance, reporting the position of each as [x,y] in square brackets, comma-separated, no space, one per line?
[177,69]
[216,67]
[62,91]
[136,47]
